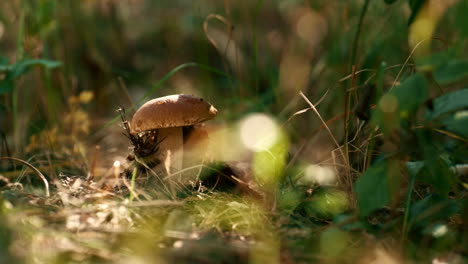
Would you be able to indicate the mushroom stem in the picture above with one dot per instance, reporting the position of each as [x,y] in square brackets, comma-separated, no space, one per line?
[171,148]
[195,146]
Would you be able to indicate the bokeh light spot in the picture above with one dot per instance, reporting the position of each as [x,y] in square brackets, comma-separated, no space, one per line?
[316,174]
[461,115]
[440,231]
[388,103]
[304,26]
[258,132]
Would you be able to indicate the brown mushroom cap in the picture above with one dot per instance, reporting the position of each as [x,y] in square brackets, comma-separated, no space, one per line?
[171,111]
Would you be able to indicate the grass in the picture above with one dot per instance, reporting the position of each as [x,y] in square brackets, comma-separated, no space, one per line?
[367,176]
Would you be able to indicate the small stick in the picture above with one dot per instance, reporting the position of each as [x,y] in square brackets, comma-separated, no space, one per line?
[46,183]
[406,62]
[329,131]
[323,122]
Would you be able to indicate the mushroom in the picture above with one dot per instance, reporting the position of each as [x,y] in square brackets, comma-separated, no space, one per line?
[168,118]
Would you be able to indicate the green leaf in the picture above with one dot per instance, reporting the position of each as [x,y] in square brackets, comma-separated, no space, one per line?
[414,167]
[400,103]
[434,60]
[6,86]
[446,66]
[4,61]
[21,67]
[268,165]
[461,21]
[290,199]
[448,103]
[433,208]
[372,188]
[4,68]
[334,242]
[436,171]
[4,64]
[458,123]
[411,93]
[327,203]
[451,71]
[348,222]
[18,69]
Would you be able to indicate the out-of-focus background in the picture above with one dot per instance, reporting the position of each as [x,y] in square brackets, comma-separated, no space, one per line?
[242,56]
[66,66]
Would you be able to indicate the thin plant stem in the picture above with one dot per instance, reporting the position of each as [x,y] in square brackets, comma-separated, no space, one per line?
[353,67]
[358,33]
[379,93]
[407,207]
[223,54]
[406,62]
[346,122]
[321,119]
[132,184]
[329,131]
[15,92]
[38,173]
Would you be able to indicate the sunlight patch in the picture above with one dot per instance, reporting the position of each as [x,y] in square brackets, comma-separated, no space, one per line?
[388,103]
[319,175]
[439,231]
[258,132]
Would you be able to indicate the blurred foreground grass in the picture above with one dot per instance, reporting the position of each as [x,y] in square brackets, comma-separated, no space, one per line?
[343,122]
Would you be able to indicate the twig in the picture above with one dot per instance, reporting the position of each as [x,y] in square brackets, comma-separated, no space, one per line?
[346,121]
[46,183]
[358,33]
[356,73]
[307,109]
[323,123]
[450,134]
[406,62]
